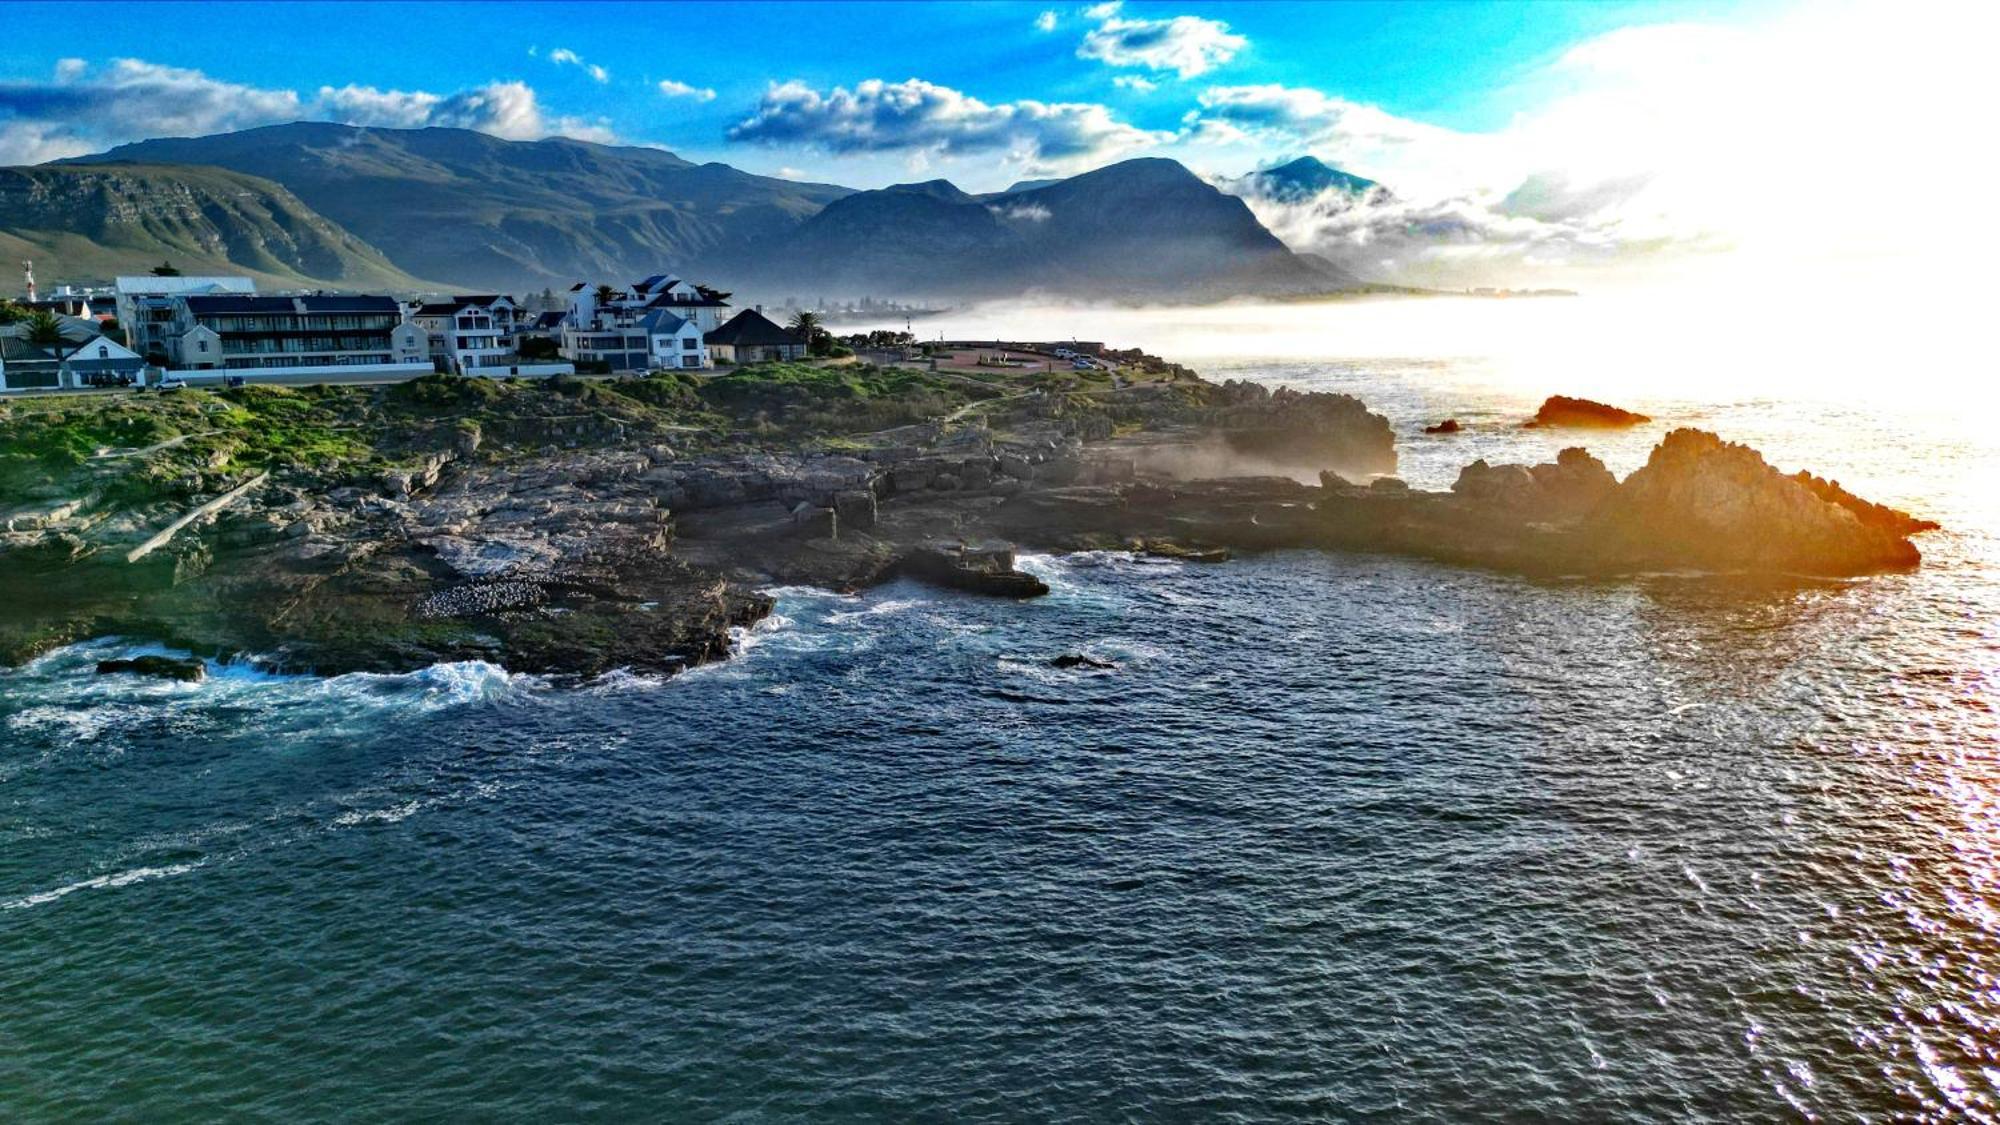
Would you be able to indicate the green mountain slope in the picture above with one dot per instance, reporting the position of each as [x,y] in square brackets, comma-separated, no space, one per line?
[79,222]
[495,214]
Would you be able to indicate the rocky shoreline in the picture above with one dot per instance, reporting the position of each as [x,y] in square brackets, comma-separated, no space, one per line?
[640,556]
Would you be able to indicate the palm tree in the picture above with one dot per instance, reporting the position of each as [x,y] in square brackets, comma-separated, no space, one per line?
[805,324]
[605,295]
[44,329]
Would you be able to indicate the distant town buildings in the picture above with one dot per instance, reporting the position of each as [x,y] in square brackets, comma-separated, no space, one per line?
[208,329]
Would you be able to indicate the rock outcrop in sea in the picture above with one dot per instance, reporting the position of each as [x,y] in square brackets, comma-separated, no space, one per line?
[1561,410]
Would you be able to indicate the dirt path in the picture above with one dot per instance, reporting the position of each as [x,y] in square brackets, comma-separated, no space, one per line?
[213,506]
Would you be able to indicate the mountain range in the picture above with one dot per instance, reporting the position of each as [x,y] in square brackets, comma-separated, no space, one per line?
[1302,179]
[432,209]
[84,221]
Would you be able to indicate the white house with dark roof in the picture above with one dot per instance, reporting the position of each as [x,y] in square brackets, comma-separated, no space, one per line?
[82,356]
[103,362]
[659,322]
[470,335]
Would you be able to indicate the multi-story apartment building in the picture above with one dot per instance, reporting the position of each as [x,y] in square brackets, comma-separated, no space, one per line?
[147,308]
[295,336]
[471,335]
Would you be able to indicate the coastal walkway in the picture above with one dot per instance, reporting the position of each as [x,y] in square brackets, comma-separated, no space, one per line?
[167,534]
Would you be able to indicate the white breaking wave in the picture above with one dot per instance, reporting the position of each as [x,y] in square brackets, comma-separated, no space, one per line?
[99,882]
[378,816]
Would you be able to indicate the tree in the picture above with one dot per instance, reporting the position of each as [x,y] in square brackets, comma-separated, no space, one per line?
[166,269]
[606,294]
[11,313]
[44,329]
[805,323]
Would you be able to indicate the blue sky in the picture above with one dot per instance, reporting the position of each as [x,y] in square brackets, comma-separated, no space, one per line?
[1520,141]
[596,69]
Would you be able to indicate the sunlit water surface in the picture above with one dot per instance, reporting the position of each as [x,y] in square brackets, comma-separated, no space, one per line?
[1341,836]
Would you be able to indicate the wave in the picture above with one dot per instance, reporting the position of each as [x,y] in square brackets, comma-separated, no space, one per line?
[100,882]
[391,815]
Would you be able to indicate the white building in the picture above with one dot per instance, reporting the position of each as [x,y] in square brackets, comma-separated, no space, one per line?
[470,335]
[80,358]
[145,306]
[661,322]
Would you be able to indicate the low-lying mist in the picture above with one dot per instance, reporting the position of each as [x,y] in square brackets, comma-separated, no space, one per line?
[1695,341]
[1213,458]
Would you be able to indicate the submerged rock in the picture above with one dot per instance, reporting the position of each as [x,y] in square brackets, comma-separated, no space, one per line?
[1079,660]
[1561,410]
[160,667]
[1448,426]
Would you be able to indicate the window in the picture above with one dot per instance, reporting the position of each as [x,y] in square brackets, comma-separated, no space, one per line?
[689,344]
[201,345]
[103,352]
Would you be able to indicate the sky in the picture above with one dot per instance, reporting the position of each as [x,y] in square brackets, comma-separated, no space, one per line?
[1539,142]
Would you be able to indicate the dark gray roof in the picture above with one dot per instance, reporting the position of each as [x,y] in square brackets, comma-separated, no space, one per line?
[211,306]
[349,303]
[751,328]
[16,349]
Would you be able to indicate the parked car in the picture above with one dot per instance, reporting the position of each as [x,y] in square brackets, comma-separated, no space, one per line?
[233,381]
[173,384]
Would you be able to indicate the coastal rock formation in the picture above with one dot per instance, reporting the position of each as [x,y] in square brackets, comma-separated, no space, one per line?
[975,570]
[1448,426]
[1317,429]
[1561,410]
[630,553]
[1702,501]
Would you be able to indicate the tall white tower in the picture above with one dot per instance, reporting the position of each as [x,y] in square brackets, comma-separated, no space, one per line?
[28,268]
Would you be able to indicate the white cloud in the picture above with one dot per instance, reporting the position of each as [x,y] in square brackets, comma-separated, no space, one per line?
[1046,21]
[503,109]
[563,56]
[925,118]
[1669,141]
[1022,212]
[1103,11]
[88,110]
[674,89]
[1135,83]
[128,100]
[1187,45]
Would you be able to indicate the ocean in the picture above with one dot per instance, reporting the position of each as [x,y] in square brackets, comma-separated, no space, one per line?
[1338,836]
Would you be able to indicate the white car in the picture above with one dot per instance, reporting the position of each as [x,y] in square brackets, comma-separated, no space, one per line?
[173,384]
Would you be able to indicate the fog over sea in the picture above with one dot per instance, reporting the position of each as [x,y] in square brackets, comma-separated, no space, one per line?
[1341,836]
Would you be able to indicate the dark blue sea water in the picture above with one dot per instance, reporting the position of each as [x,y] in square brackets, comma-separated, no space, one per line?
[1340,837]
